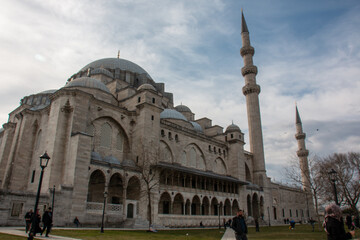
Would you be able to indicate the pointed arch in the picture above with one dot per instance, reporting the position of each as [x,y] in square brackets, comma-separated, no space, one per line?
[178,205]
[214,206]
[219,166]
[255,205]
[235,207]
[205,206]
[227,207]
[115,189]
[96,186]
[195,157]
[248,203]
[195,205]
[165,152]
[247,173]
[38,139]
[133,189]
[164,203]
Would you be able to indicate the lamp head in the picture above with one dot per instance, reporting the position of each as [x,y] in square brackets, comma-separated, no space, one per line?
[44,160]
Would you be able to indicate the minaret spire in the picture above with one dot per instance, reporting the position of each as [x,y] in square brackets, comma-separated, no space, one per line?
[251,91]
[243,23]
[302,152]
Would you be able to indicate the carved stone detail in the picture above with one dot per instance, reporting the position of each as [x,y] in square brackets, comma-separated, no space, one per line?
[249,69]
[247,50]
[67,108]
[251,88]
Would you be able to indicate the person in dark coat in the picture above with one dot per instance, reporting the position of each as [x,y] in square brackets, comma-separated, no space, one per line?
[35,224]
[348,222]
[257,225]
[239,226]
[47,220]
[76,222]
[28,217]
[334,224]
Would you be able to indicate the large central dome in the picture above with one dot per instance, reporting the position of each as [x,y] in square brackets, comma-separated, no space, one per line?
[114,63]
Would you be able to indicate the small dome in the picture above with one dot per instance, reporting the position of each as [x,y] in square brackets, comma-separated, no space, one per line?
[51,91]
[101,71]
[172,114]
[128,163]
[88,83]
[197,126]
[233,128]
[146,86]
[111,159]
[96,156]
[182,108]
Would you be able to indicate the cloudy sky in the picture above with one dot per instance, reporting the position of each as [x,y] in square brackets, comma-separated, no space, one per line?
[306,52]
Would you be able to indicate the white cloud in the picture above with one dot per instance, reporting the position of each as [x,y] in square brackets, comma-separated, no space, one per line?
[308,56]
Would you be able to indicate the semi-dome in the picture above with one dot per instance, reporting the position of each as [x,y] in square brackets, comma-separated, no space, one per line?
[88,83]
[128,163]
[232,128]
[111,159]
[196,126]
[96,156]
[146,86]
[182,108]
[114,63]
[172,114]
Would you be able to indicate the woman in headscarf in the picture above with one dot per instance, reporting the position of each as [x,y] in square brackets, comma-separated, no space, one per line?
[334,224]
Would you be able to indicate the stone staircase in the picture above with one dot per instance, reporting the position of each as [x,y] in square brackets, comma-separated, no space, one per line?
[135,223]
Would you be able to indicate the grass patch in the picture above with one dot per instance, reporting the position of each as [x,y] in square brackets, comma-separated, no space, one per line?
[193,234]
[4,236]
[301,232]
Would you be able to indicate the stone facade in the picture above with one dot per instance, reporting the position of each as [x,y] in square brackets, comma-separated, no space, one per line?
[113,129]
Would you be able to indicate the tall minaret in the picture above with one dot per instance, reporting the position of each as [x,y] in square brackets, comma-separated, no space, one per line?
[302,153]
[251,90]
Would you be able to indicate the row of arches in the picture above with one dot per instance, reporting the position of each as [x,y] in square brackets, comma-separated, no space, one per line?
[255,205]
[196,206]
[175,178]
[192,156]
[117,188]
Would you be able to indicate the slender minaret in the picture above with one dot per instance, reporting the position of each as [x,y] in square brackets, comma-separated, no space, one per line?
[251,91]
[302,153]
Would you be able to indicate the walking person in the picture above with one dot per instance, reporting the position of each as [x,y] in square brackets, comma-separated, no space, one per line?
[47,220]
[76,222]
[239,226]
[334,224]
[28,217]
[257,225]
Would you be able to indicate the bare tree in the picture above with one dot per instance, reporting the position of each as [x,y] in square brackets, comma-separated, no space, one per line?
[148,176]
[293,173]
[348,178]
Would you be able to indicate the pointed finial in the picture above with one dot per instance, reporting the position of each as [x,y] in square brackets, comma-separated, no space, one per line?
[243,23]
[118,54]
[298,119]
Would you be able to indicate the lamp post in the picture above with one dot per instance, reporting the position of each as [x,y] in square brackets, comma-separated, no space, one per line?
[44,160]
[333,175]
[103,214]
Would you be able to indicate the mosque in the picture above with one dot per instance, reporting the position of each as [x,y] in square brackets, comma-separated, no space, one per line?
[117,143]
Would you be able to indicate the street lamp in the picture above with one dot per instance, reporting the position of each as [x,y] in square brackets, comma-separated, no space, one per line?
[103,214]
[333,176]
[44,160]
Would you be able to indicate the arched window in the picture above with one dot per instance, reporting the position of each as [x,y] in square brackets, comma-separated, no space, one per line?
[192,157]
[119,142]
[105,137]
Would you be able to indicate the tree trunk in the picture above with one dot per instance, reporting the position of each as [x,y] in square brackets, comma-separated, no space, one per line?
[149,208]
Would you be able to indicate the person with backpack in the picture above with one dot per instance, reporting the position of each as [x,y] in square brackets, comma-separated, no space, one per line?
[239,226]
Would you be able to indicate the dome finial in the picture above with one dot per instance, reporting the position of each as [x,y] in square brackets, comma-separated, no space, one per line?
[118,56]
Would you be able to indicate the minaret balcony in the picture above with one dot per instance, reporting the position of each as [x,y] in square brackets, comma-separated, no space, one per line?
[300,136]
[251,88]
[302,153]
[249,69]
[247,50]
